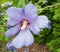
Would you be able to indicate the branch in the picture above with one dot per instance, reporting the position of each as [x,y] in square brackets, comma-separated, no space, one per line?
[40,10]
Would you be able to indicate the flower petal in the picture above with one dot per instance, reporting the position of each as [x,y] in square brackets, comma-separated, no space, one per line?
[28,38]
[35,28]
[15,13]
[12,22]
[24,38]
[10,46]
[43,22]
[18,42]
[13,31]
[31,12]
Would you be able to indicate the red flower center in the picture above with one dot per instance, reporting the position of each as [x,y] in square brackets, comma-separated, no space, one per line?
[24,23]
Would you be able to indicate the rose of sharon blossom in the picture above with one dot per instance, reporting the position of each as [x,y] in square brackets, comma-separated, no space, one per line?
[25,20]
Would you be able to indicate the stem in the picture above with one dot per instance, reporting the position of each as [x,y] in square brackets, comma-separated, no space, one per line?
[40,10]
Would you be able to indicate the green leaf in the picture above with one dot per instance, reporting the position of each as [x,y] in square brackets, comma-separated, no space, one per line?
[58,50]
[2,1]
[1,37]
[20,3]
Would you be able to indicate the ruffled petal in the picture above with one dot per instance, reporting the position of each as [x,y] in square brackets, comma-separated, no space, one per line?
[43,22]
[15,13]
[39,23]
[31,12]
[24,38]
[13,31]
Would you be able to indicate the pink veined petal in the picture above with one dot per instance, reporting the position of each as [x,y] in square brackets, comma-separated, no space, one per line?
[31,12]
[13,31]
[24,38]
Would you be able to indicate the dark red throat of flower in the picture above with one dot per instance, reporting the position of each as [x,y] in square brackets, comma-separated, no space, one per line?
[24,23]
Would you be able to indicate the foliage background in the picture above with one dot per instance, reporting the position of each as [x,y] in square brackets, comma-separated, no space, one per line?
[49,37]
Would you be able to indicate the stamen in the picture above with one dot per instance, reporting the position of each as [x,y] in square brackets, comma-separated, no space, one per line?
[24,25]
